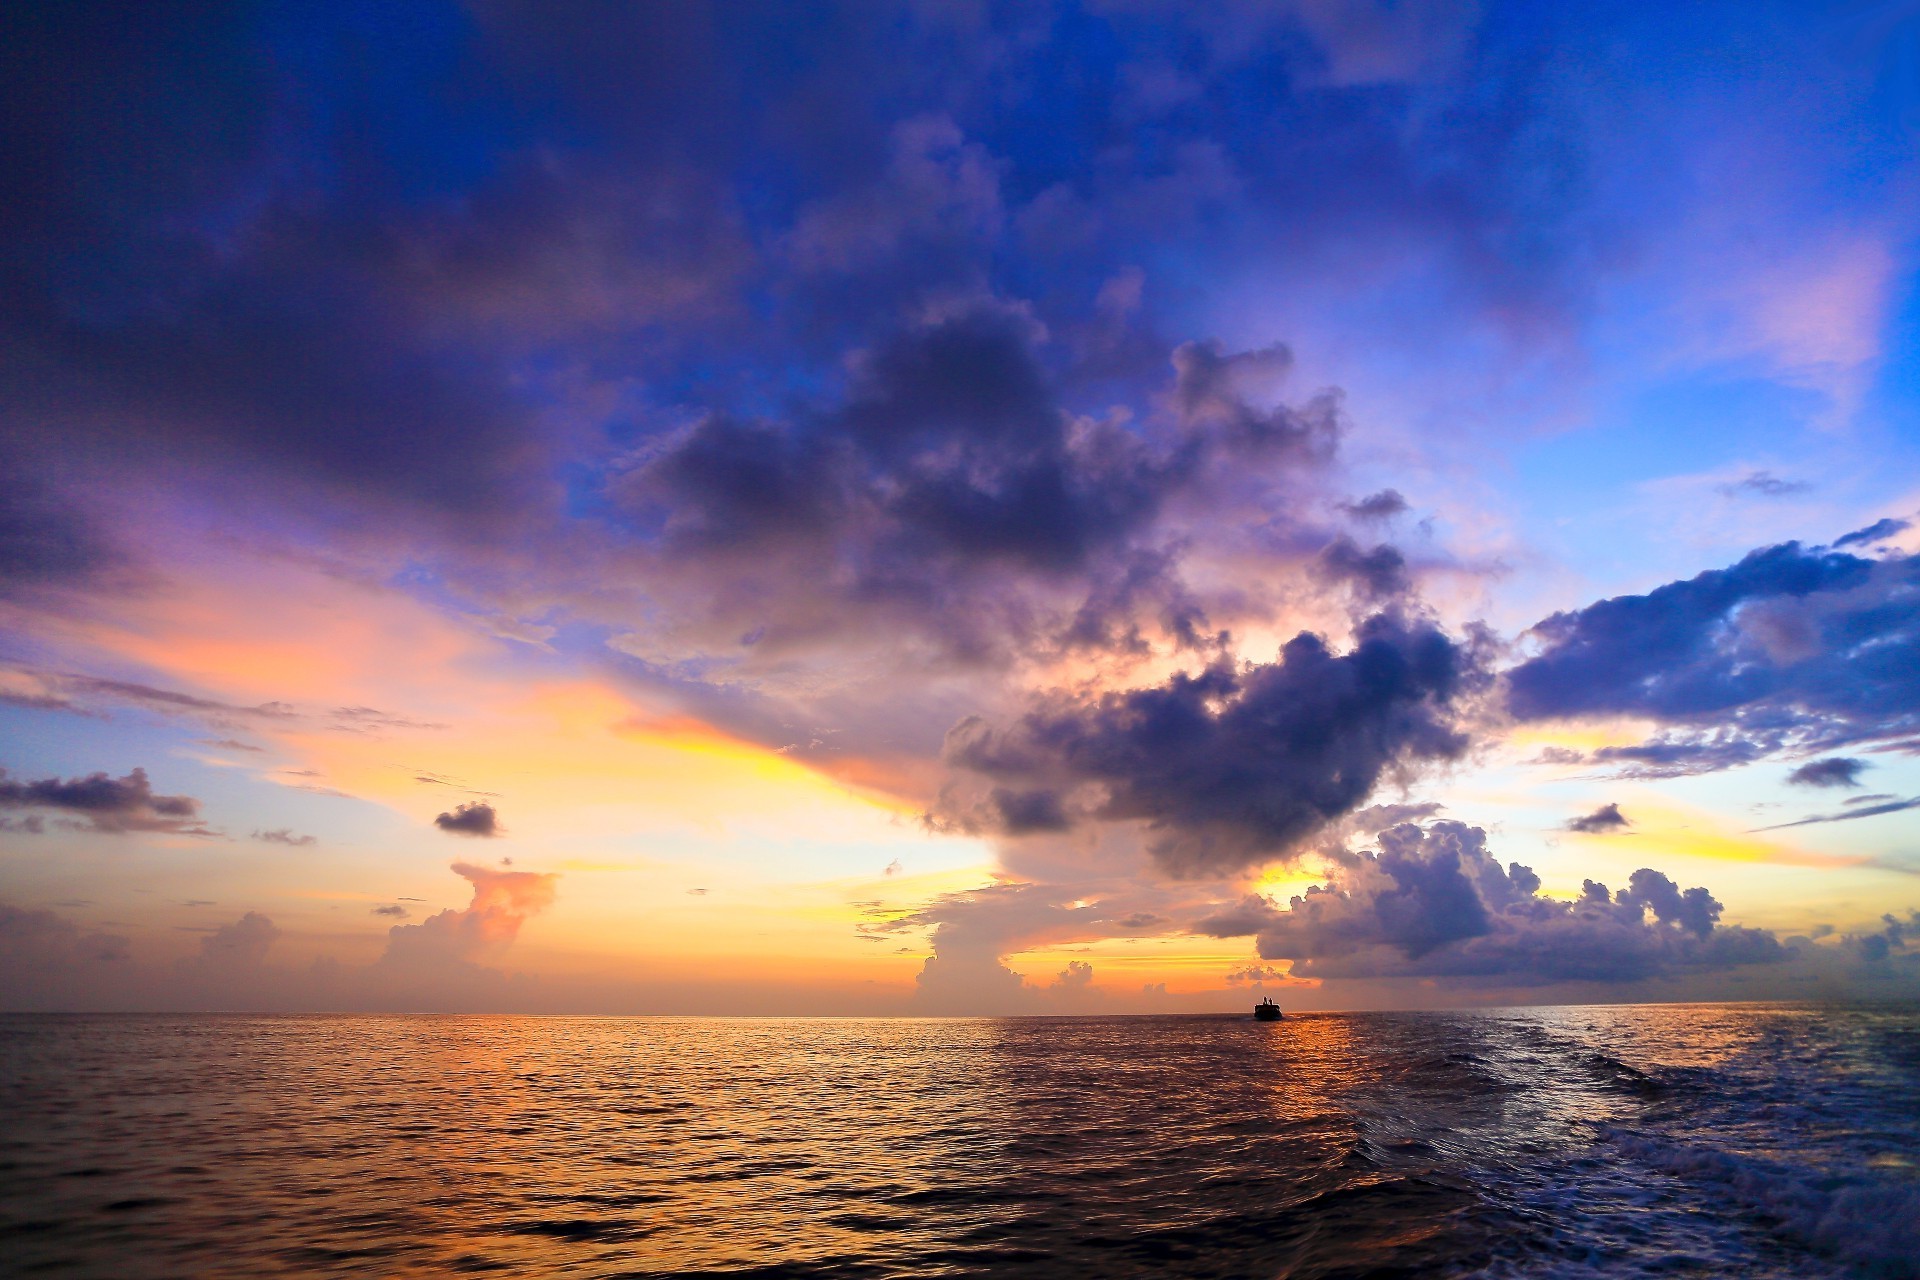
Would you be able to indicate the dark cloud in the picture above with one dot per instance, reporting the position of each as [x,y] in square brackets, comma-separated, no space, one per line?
[1024,812]
[1234,766]
[1834,771]
[1682,756]
[1374,575]
[1435,903]
[110,805]
[1874,948]
[951,489]
[472,819]
[1788,649]
[1601,821]
[1878,531]
[1383,505]
[1765,484]
[284,835]
[397,912]
[1864,811]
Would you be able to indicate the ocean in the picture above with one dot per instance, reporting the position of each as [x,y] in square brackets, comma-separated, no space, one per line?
[1752,1140]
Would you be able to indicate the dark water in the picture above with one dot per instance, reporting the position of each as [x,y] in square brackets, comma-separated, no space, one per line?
[1688,1141]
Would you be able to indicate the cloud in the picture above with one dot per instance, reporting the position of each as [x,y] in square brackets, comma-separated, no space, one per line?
[972,932]
[474,818]
[1874,948]
[1765,484]
[950,495]
[397,912]
[1234,766]
[238,946]
[1788,649]
[373,720]
[1383,505]
[1601,821]
[503,901]
[1077,976]
[1375,575]
[1834,771]
[1559,755]
[41,939]
[55,691]
[1435,903]
[1256,975]
[284,835]
[1878,531]
[938,187]
[1864,811]
[1683,756]
[110,805]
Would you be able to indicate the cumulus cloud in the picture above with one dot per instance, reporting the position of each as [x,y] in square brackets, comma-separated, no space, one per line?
[110,805]
[971,933]
[1434,902]
[474,818]
[503,901]
[1234,765]
[1877,946]
[241,945]
[1602,820]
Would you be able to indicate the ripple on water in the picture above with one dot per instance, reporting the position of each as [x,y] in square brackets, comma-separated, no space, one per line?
[1675,1141]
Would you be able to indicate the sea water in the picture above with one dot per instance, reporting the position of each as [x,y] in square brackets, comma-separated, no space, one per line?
[1755,1140]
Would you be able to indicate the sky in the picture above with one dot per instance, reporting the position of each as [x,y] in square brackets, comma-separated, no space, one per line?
[958,508]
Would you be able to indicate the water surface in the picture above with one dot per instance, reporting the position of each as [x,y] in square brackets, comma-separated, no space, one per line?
[1655,1140]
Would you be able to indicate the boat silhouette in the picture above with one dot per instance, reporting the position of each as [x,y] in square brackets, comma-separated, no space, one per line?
[1267,1011]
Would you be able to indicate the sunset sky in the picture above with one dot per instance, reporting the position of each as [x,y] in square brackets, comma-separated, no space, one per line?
[958,508]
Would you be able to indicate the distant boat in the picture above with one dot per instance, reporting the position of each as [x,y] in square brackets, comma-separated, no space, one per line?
[1267,1011]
